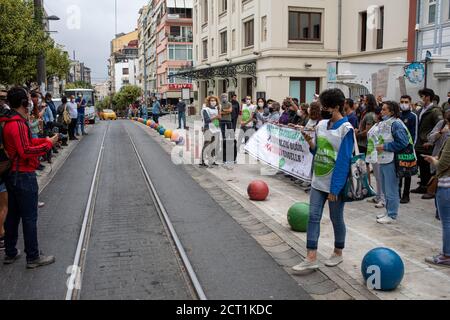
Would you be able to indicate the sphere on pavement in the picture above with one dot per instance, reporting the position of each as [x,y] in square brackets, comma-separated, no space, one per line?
[149,123]
[168,134]
[175,137]
[162,131]
[258,190]
[298,217]
[383,269]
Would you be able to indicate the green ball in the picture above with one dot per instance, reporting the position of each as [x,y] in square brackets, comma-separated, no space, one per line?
[298,217]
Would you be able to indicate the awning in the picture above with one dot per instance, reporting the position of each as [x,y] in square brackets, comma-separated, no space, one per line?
[181,4]
[221,72]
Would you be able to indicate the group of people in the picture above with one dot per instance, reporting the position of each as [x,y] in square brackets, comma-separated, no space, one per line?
[399,139]
[32,128]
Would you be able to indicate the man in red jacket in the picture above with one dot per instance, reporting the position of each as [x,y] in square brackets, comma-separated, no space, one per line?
[21,182]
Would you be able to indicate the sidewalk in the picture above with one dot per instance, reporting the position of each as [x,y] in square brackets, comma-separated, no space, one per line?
[416,235]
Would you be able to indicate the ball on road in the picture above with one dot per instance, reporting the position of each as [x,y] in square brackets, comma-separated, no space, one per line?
[149,123]
[298,217]
[258,190]
[175,137]
[383,269]
[162,131]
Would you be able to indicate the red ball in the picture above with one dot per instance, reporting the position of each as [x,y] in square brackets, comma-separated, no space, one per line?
[258,190]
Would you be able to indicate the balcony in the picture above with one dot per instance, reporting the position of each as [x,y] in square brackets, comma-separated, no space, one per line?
[177,38]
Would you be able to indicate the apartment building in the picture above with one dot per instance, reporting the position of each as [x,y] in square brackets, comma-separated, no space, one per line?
[165,28]
[263,48]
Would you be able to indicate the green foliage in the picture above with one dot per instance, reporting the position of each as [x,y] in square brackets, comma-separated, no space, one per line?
[21,41]
[126,96]
[79,85]
[104,104]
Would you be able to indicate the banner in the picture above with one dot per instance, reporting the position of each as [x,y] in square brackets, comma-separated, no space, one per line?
[284,149]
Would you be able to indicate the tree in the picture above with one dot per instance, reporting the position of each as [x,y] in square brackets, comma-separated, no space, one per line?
[79,85]
[21,40]
[104,104]
[126,96]
[58,62]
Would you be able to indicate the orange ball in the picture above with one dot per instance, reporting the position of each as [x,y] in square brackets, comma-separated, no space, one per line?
[258,190]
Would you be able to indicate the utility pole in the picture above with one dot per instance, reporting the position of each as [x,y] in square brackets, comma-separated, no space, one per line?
[41,66]
[115,16]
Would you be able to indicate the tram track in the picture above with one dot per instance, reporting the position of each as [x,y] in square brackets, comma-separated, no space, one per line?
[80,262]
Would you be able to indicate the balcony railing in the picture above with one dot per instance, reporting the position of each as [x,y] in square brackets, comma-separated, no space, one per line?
[173,38]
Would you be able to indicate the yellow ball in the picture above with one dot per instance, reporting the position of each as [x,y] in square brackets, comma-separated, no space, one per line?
[168,134]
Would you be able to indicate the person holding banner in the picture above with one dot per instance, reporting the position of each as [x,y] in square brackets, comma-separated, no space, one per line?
[211,130]
[333,150]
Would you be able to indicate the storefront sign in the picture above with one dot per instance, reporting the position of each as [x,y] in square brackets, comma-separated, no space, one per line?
[180,86]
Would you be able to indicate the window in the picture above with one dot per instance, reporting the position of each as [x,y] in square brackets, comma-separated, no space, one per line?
[264,29]
[304,88]
[161,58]
[363,28]
[223,42]
[431,11]
[205,12]
[305,26]
[180,34]
[205,49]
[212,47]
[223,6]
[249,33]
[181,52]
[125,71]
[380,30]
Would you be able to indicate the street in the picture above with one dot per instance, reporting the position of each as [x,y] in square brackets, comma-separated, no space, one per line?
[129,254]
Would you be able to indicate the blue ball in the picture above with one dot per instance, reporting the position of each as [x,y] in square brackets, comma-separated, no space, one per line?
[162,131]
[384,267]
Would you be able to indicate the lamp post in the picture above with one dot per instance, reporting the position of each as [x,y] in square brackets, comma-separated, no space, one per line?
[41,65]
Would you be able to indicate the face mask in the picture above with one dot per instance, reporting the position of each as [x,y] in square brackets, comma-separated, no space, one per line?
[271,110]
[404,107]
[213,104]
[249,102]
[261,105]
[326,115]
[30,106]
[39,101]
[385,118]
[300,113]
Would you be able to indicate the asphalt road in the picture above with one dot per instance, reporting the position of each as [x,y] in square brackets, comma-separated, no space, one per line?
[129,255]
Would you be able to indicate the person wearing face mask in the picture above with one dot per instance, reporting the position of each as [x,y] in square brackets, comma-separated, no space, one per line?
[284,117]
[247,124]
[228,136]
[73,111]
[333,149]
[429,117]
[410,120]
[446,104]
[274,113]
[394,138]
[211,130]
[236,111]
[262,114]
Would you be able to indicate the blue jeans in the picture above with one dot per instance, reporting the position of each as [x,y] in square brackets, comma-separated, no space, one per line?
[389,184]
[317,203]
[182,117]
[80,123]
[22,204]
[443,206]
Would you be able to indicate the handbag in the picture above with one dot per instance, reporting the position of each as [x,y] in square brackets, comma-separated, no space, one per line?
[66,116]
[357,187]
[406,160]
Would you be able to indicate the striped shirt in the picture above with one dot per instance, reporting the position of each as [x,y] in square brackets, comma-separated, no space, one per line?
[444,182]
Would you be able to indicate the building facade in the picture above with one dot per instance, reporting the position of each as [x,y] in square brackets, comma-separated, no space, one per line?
[165,26]
[124,50]
[78,72]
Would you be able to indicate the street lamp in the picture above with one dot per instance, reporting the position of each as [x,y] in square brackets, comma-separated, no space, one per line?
[52,18]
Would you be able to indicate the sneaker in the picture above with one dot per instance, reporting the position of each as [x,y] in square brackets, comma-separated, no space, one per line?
[380,205]
[306,266]
[41,204]
[334,261]
[2,244]
[41,262]
[11,260]
[381,216]
[41,167]
[439,261]
[373,200]
[386,220]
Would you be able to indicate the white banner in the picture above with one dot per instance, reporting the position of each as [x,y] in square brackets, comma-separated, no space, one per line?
[284,149]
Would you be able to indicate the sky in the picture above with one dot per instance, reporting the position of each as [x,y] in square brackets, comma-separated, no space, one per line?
[88,26]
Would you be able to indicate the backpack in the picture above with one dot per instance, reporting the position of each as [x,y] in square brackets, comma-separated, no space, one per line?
[5,161]
[66,116]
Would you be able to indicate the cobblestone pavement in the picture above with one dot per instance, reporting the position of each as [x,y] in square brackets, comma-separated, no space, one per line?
[417,234]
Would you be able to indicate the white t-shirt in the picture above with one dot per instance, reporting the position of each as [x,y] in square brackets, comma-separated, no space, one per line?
[247,111]
[72,109]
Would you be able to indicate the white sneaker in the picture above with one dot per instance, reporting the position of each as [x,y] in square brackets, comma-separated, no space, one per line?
[380,205]
[41,204]
[306,266]
[381,216]
[386,220]
[334,261]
